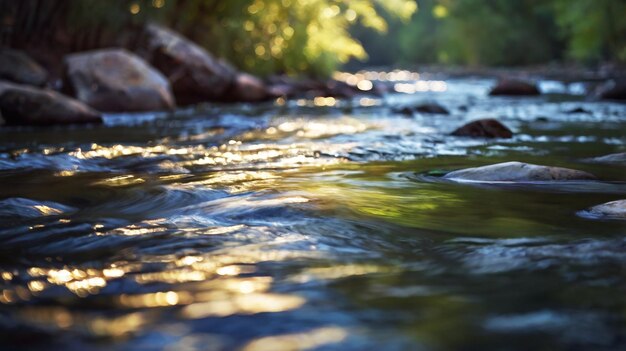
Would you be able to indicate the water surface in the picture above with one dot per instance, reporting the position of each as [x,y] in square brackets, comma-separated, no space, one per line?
[291,225]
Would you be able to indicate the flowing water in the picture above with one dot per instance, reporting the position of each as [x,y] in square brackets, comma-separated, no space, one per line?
[292,225]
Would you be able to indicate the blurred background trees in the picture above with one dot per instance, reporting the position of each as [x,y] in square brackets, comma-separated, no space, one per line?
[504,32]
[315,37]
[260,36]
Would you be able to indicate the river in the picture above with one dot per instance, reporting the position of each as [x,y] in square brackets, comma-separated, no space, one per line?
[314,225]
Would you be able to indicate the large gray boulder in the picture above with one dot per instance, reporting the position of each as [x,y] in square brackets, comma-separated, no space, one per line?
[195,75]
[518,172]
[610,210]
[16,66]
[26,105]
[115,80]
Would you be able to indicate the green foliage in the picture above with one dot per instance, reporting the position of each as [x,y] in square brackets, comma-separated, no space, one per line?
[260,36]
[477,32]
[595,28]
[504,32]
[292,36]
[315,37]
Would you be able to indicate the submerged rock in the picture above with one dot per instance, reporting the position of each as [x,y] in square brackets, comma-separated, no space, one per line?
[484,128]
[195,75]
[514,87]
[618,158]
[115,80]
[16,66]
[25,105]
[518,172]
[610,210]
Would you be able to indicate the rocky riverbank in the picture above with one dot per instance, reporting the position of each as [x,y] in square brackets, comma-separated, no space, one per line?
[165,70]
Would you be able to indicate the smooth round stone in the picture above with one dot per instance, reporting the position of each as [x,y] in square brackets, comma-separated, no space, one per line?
[28,105]
[518,172]
[614,209]
[484,128]
[618,158]
[115,80]
[17,67]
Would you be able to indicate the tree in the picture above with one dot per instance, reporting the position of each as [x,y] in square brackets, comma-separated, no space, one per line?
[595,29]
[261,36]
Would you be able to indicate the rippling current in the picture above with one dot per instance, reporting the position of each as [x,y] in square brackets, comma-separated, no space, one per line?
[292,226]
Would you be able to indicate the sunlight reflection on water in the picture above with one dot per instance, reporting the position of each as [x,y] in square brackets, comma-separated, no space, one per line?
[312,224]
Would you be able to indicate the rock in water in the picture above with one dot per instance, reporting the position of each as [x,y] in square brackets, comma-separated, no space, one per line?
[578,110]
[430,108]
[16,66]
[248,88]
[406,110]
[610,210]
[613,90]
[25,105]
[618,158]
[518,172]
[339,89]
[484,128]
[195,75]
[115,80]
[514,87]
[309,88]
